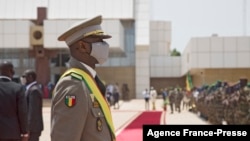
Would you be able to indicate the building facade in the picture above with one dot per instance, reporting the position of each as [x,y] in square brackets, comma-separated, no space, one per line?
[139,48]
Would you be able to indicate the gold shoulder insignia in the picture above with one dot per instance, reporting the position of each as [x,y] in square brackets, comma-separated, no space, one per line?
[76,76]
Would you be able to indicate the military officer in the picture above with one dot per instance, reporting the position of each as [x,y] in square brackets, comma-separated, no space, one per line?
[79,110]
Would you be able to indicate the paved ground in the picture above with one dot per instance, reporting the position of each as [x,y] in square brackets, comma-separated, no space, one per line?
[127,112]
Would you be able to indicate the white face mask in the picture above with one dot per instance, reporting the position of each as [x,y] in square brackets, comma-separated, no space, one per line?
[100,50]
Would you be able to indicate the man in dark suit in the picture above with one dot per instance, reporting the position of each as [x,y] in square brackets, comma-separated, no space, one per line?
[33,95]
[13,106]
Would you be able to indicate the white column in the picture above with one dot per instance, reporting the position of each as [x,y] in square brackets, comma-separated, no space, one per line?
[142,18]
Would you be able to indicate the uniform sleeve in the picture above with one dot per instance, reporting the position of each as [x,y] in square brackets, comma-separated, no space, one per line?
[68,119]
[22,110]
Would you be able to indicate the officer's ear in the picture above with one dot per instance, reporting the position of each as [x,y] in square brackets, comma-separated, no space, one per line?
[81,46]
[84,47]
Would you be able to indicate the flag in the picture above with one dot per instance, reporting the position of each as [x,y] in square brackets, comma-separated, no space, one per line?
[189,84]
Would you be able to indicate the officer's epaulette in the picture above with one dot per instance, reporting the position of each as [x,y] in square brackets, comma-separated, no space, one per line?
[76,76]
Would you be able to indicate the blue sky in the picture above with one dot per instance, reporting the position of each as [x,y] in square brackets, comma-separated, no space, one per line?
[195,18]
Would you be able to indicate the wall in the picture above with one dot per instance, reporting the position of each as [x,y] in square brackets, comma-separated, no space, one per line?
[15,34]
[210,76]
[123,9]
[170,82]
[220,52]
[122,75]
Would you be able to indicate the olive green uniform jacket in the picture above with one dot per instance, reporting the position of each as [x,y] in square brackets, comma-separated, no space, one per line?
[83,120]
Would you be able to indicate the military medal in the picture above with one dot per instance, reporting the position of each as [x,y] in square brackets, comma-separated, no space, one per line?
[99,124]
[92,97]
[96,104]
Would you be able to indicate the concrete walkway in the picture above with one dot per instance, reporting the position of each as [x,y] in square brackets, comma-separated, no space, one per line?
[128,111]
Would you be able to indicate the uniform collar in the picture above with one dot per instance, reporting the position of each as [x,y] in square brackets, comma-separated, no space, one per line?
[73,63]
[92,71]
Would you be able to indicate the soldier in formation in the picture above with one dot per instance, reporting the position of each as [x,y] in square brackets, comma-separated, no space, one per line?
[222,103]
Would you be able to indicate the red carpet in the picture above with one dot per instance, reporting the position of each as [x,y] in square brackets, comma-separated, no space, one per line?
[133,132]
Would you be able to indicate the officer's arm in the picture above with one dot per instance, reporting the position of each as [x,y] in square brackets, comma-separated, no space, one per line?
[69,116]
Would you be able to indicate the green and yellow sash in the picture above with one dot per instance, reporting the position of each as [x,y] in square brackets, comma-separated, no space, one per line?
[90,82]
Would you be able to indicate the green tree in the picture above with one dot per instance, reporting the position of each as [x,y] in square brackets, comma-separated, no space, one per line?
[175,52]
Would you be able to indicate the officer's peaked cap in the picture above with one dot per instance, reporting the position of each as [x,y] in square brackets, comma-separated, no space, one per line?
[89,27]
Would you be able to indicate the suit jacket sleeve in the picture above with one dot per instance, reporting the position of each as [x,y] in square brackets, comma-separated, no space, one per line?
[22,110]
[35,107]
